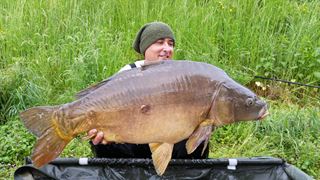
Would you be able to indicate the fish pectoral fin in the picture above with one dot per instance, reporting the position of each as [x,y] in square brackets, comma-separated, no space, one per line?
[202,133]
[161,156]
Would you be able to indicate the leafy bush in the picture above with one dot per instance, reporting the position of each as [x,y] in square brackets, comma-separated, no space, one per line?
[15,142]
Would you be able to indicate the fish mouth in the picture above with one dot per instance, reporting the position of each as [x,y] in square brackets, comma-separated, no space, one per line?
[263,113]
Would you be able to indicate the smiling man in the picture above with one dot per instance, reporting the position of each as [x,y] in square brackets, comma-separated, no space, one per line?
[155,41]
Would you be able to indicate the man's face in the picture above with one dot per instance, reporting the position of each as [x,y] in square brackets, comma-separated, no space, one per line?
[162,49]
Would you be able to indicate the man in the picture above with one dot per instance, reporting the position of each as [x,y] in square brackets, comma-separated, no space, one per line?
[155,41]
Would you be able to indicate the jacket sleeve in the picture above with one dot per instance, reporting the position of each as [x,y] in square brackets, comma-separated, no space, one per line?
[133,65]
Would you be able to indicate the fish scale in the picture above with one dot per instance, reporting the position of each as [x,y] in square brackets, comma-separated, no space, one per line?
[160,104]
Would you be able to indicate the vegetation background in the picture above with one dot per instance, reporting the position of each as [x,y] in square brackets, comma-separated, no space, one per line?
[51,49]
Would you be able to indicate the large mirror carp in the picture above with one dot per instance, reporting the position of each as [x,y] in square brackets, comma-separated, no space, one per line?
[159,104]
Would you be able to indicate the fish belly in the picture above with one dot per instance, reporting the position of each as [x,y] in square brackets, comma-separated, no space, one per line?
[162,123]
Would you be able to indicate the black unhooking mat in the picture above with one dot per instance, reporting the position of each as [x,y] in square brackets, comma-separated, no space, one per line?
[258,168]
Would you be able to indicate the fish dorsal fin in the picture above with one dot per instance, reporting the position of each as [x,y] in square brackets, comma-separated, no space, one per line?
[87,91]
[161,156]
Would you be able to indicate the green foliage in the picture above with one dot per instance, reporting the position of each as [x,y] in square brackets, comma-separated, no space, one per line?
[289,132]
[49,50]
[10,79]
[77,148]
[16,144]
[89,41]
[15,141]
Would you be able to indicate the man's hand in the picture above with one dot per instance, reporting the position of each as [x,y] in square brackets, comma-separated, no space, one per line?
[96,137]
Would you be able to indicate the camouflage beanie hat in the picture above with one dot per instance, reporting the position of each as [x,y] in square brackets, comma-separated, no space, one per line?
[150,33]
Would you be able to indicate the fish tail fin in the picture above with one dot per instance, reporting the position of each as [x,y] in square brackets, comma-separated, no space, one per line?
[49,145]
[38,119]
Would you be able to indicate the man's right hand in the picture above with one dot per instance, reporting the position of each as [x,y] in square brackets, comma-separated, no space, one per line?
[97,137]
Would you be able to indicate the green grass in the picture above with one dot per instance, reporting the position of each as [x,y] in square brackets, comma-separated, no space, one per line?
[49,50]
[289,132]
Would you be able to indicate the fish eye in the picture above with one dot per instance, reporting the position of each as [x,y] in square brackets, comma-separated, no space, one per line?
[249,102]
